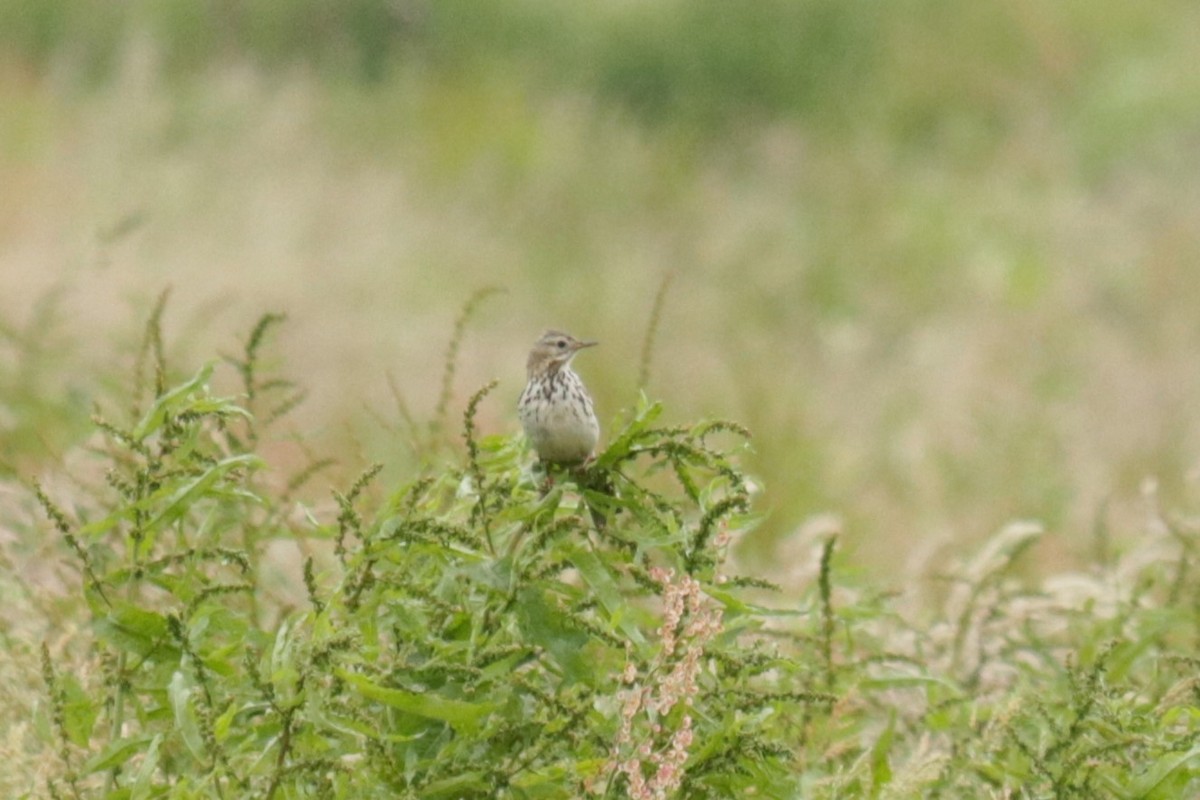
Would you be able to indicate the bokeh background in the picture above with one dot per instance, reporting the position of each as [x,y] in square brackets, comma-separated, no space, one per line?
[943,258]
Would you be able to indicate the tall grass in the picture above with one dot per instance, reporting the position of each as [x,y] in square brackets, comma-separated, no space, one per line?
[488,630]
[940,251]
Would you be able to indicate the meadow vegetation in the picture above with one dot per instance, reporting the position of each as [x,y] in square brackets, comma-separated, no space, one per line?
[492,629]
[938,258]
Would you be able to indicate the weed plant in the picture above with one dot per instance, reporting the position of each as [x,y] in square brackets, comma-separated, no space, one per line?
[486,630]
[493,629]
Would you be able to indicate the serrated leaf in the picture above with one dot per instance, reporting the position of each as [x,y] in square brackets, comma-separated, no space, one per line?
[135,630]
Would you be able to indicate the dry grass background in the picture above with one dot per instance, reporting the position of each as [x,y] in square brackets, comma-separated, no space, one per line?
[966,294]
[954,288]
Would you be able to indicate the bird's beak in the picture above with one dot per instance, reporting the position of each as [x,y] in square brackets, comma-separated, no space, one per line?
[582,345]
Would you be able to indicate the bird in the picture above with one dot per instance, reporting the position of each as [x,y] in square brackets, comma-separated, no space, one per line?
[556,410]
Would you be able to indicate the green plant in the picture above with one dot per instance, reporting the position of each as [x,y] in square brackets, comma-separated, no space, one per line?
[474,634]
[491,630]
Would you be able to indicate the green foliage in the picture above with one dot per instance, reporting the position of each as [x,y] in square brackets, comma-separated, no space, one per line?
[488,630]
[42,405]
[493,630]
[709,62]
[358,37]
[706,64]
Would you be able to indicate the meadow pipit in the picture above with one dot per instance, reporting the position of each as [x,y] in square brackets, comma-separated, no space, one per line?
[555,408]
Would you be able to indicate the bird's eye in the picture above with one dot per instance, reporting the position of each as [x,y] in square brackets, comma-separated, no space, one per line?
[561,343]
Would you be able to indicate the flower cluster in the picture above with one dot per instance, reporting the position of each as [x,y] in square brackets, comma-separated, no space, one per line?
[651,745]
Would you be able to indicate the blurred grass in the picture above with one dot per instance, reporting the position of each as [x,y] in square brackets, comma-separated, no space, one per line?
[43,408]
[939,256]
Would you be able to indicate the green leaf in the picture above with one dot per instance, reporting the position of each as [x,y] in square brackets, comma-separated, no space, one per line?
[734,604]
[191,396]
[459,714]
[466,784]
[180,694]
[881,770]
[94,531]
[141,780]
[549,781]
[171,400]
[355,727]
[79,711]
[506,665]
[544,624]
[619,447]
[185,495]
[224,723]
[910,681]
[285,677]
[137,631]
[1158,774]
[115,754]
[606,591]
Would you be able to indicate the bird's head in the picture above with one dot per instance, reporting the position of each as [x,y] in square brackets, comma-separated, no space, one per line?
[554,350]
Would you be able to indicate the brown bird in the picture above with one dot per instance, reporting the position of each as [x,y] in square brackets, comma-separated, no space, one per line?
[555,408]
